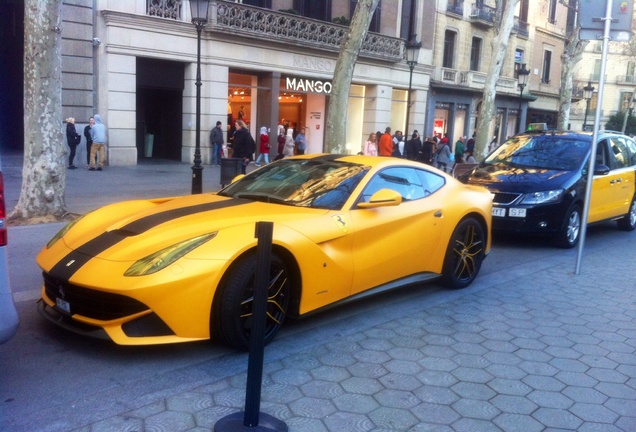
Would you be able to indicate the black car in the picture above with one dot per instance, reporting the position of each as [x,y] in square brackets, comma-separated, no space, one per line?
[538,180]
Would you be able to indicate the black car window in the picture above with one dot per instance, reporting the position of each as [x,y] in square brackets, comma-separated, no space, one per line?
[601,153]
[631,148]
[410,183]
[619,155]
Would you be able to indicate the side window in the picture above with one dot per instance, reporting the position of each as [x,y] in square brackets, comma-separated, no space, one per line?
[631,147]
[601,155]
[619,154]
[410,183]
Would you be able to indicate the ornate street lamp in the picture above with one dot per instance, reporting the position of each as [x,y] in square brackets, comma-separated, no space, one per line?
[199,11]
[522,81]
[412,54]
[588,90]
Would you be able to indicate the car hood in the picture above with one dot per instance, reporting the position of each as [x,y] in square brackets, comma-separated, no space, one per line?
[505,178]
[131,230]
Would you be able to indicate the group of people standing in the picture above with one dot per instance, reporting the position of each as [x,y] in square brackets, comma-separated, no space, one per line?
[95,134]
[432,151]
[243,145]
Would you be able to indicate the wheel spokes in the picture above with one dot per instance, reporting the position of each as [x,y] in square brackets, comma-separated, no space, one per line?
[467,252]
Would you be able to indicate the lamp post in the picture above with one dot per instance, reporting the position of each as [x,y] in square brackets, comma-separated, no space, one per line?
[412,54]
[522,81]
[199,11]
[587,94]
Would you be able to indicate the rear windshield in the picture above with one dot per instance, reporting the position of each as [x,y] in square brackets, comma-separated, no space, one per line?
[551,152]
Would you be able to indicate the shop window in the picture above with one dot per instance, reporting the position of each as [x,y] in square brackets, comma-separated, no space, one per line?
[449,48]
[547,60]
[374,26]
[475,54]
[316,9]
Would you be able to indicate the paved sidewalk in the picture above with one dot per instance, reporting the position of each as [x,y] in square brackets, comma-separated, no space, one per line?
[532,348]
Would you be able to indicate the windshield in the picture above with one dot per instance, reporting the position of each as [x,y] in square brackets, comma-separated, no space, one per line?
[553,152]
[301,183]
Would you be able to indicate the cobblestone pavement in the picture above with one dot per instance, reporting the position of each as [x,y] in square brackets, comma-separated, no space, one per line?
[553,352]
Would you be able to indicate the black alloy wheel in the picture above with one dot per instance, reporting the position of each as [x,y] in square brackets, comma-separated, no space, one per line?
[465,254]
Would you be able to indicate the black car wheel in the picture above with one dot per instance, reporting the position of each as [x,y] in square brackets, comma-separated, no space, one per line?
[628,222]
[570,232]
[464,255]
[232,313]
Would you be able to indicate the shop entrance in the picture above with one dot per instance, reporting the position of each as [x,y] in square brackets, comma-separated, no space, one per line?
[159,109]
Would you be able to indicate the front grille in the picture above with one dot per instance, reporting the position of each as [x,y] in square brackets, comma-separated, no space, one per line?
[505,197]
[90,303]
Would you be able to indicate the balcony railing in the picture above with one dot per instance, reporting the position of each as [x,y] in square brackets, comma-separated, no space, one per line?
[455,7]
[521,27]
[482,14]
[625,79]
[264,24]
[164,8]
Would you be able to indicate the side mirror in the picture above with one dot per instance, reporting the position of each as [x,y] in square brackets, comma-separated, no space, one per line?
[382,198]
[601,169]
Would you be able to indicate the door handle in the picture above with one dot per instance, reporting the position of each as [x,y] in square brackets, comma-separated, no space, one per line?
[438,214]
[615,181]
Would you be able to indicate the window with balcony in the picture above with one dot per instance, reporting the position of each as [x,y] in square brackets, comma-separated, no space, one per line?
[552,11]
[596,75]
[547,63]
[408,26]
[449,49]
[475,54]
[375,19]
[455,6]
[316,9]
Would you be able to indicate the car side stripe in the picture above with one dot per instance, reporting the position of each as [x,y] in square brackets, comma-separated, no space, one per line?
[72,262]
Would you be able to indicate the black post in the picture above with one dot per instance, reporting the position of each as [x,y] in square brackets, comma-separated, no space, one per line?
[521,87]
[408,102]
[587,108]
[197,169]
[252,419]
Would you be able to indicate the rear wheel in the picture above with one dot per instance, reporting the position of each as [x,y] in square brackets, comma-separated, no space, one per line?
[232,318]
[628,222]
[464,255]
[570,232]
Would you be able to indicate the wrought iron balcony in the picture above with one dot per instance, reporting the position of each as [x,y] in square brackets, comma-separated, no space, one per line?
[164,8]
[455,7]
[265,24]
[521,27]
[482,15]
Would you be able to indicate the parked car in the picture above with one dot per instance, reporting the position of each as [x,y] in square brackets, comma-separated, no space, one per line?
[9,320]
[182,269]
[539,180]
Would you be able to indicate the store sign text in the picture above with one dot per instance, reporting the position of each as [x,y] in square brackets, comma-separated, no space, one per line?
[313,63]
[307,85]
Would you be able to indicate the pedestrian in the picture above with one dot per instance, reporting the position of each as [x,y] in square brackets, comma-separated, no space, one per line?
[459,150]
[398,145]
[370,147]
[263,147]
[216,139]
[244,145]
[98,135]
[469,157]
[443,155]
[470,144]
[281,144]
[301,142]
[72,139]
[89,140]
[386,143]
[413,147]
[428,150]
[288,149]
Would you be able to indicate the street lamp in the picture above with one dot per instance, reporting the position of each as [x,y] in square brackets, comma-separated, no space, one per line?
[522,81]
[412,54]
[199,11]
[587,94]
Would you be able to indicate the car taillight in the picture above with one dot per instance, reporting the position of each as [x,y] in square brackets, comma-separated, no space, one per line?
[3,228]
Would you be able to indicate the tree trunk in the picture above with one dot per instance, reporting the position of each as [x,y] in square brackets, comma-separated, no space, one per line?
[343,74]
[488,111]
[44,168]
[572,53]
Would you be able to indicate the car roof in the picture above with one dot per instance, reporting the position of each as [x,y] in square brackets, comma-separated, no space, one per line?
[372,161]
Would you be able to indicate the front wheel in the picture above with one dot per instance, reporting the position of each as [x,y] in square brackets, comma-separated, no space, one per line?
[570,232]
[232,318]
[465,253]
[628,222]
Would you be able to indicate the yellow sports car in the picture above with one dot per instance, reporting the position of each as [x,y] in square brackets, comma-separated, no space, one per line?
[182,269]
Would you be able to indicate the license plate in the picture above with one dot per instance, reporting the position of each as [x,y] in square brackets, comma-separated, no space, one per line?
[499,212]
[63,305]
[517,212]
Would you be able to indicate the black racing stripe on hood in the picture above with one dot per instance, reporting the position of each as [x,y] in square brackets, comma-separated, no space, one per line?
[73,261]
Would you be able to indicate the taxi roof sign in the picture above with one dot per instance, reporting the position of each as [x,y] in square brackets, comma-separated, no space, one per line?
[537,126]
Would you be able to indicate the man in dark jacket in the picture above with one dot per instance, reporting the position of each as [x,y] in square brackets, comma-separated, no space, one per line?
[216,139]
[243,144]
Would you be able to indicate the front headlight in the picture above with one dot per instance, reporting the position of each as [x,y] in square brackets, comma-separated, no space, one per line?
[163,258]
[63,231]
[543,197]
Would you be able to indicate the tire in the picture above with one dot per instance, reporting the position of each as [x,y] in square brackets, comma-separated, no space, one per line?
[232,310]
[464,255]
[570,232]
[628,222]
